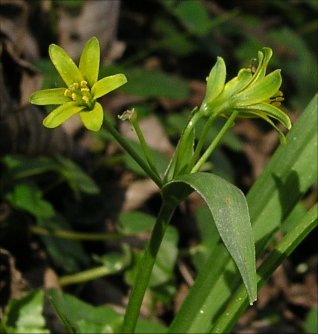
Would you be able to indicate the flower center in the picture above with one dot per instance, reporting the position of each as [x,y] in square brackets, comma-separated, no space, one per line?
[81,94]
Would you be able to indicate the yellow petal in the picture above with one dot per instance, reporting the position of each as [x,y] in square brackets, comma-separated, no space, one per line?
[93,119]
[61,114]
[108,84]
[49,96]
[89,62]
[67,69]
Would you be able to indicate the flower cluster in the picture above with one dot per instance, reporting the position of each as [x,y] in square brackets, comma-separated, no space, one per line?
[252,93]
[82,87]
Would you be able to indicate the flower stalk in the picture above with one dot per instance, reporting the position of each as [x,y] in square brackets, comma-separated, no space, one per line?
[146,265]
[132,117]
[229,123]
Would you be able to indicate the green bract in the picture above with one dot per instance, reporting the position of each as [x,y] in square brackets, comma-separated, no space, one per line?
[252,93]
[82,88]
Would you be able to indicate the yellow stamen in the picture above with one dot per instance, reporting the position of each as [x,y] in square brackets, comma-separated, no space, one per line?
[84,84]
[67,93]
[83,90]
[85,98]
[74,96]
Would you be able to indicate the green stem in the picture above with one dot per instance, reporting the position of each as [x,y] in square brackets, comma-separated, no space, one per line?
[84,276]
[215,142]
[202,138]
[184,139]
[119,138]
[146,266]
[76,235]
[134,122]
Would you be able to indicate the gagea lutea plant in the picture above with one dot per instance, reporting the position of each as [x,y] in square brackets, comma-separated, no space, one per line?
[253,93]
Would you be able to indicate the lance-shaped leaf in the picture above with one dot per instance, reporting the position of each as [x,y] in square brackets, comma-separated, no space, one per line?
[229,209]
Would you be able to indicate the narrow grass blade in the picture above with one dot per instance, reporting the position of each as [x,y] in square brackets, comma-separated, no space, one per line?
[292,239]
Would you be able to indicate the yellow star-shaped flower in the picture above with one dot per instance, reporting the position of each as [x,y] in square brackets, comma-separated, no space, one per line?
[82,87]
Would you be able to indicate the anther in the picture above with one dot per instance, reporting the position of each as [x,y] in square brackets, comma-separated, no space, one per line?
[85,98]
[84,84]
[67,93]
[74,96]
[75,85]
[83,90]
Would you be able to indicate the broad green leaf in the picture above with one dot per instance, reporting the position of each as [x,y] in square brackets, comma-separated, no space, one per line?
[25,315]
[107,84]
[49,96]
[61,114]
[21,167]
[114,262]
[194,15]
[66,67]
[82,317]
[289,174]
[29,198]
[93,119]
[76,177]
[136,222]
[68,255]
[209,237]
[172,39]
[230,213]
[89,61]
[155,84]
[163,270]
